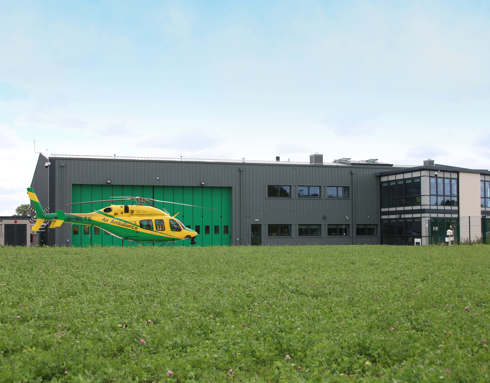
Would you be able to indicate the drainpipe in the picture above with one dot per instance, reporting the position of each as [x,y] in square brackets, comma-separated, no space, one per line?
[352,206]
[240,181]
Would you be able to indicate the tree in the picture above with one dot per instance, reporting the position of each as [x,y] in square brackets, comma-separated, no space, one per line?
[23,210]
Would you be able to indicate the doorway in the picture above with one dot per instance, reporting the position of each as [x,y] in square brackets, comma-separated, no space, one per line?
[15,235]
[256,234]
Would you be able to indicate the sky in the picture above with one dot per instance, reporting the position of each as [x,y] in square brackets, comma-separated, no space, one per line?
[401,81]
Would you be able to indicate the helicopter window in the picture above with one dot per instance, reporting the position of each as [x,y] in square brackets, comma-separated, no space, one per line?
[159,225]
[206,229]
[146,224]
[198,229]
[216,229]
[107,209]
[225,229]
[126,208]
[174,226]
[96,230]
[75,229]
[86,229]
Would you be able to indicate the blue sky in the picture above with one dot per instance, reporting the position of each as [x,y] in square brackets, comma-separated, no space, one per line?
[398,81]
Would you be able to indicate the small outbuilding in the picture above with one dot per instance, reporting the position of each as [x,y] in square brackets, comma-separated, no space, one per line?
[16,231]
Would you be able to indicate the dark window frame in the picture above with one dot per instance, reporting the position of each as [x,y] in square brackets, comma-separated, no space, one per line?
[279,230]
[341,192]
[279,191]
[338,230]
[309,193]
[309,230]
[443,191]
[365,229]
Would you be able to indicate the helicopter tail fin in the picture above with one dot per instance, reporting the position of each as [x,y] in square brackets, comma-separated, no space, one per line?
[36,204]
[40,215]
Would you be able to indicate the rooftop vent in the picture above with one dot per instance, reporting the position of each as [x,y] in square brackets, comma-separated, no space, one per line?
[316,159]
[372,161]
[278,158]
[429,162]
[343,160]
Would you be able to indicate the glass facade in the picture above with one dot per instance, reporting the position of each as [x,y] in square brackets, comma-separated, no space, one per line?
[485,194]
[403,192]
[443,191]
[401,231]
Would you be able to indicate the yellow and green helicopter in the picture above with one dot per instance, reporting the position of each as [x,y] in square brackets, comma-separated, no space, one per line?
[138,223]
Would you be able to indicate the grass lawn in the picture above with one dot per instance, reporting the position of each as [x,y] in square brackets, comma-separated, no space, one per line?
[245,314]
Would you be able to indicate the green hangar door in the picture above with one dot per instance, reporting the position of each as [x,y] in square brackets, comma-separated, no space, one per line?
[213,223]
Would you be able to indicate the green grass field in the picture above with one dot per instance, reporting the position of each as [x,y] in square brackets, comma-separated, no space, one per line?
[245,314]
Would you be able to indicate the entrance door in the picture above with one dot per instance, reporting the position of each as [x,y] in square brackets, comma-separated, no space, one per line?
[256,234]
[15,235]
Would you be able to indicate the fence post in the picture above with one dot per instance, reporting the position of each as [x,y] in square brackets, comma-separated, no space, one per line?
[469,228]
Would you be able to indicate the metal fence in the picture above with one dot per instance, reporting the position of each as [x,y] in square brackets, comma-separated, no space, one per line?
[466,230]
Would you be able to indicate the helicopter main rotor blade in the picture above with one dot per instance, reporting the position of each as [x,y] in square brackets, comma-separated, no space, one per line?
[147,199]
[102,200]
[183,204]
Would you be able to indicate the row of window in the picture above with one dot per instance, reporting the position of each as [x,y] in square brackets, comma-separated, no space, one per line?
[159,226]
[485,193]
[405,192]
[308,191]
[315,230]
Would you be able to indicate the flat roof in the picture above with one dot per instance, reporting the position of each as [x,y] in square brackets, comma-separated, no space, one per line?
[435,167]
[217,161]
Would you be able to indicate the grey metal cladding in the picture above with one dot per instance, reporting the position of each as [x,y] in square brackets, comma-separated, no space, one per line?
[249,183]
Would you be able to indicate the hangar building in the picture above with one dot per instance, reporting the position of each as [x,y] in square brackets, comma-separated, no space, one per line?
[276,203]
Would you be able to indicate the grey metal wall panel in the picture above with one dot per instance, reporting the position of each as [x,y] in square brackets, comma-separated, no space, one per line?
[249,182]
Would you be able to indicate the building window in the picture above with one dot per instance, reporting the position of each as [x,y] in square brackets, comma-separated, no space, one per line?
[402,192]
[198,229]
[216,229]
[86,229]
[338,230]
[279,191]
[338,192]
[225,229]
[485,194]
[96,230]
[309,191]
[75,229]
[443,191]
[160,225]
[279,230]
[313,230]
[206,229]
[400,231]
[366,229]
[146,224]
